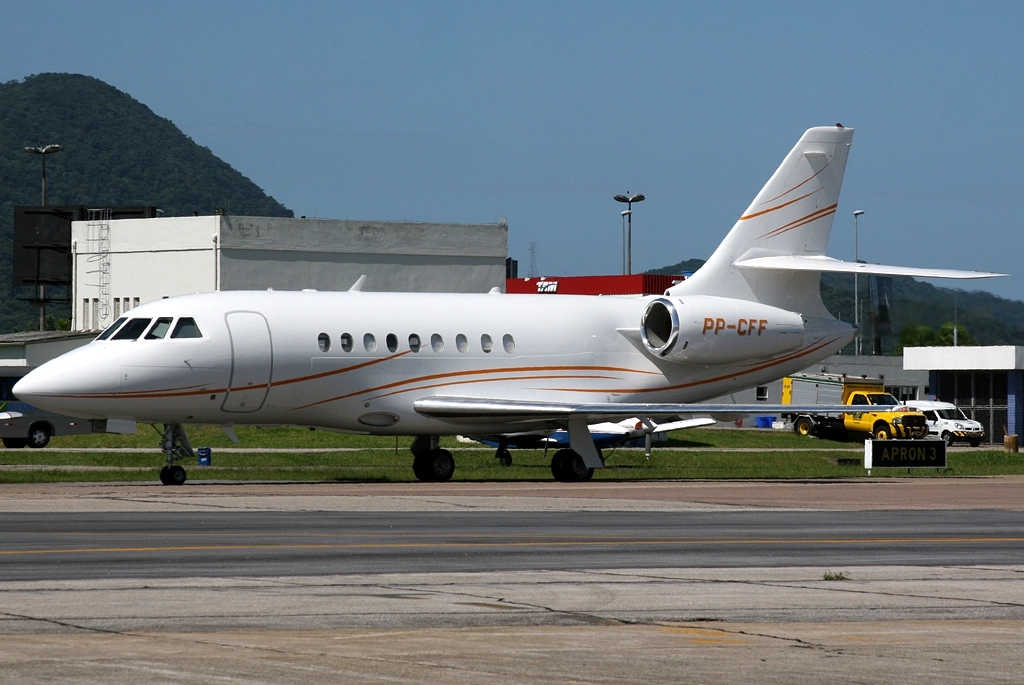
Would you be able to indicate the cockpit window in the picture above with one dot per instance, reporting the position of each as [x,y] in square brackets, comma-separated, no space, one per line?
[186,328]
[132,330]
[159,329]
[110,329]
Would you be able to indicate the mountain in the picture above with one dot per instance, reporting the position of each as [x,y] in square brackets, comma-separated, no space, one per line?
[116,152]
[990,320]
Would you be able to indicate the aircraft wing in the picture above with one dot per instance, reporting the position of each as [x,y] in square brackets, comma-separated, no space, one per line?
[823,263]
[470,410]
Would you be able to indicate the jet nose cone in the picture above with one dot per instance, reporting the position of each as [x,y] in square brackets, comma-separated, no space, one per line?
[66,383]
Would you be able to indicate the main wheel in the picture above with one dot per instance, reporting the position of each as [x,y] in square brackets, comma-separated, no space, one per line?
[435,466]
[176,475]
[578,470]
[947,438]
[14,443]
[803,426]
[442,465]
[882,431]
[39,435]
[421,467]
[164,478]
[559,468]
[569,467]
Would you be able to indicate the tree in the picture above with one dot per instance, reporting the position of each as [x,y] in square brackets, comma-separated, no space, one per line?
[913,335]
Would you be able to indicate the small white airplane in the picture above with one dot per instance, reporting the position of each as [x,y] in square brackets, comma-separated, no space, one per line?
[605,434]
[432,364]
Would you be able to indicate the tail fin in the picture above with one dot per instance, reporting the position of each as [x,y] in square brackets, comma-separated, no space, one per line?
[792,215]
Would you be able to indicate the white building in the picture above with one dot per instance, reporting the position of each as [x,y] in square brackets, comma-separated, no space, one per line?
[120,264]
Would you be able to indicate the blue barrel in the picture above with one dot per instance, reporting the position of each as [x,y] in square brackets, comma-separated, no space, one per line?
[204,454]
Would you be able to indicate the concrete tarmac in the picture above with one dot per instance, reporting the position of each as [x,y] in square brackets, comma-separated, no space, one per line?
[961,622]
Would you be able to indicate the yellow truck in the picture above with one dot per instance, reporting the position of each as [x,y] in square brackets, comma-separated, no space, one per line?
[872,410]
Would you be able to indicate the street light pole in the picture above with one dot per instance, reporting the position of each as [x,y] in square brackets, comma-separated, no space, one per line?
[43,150]
[629,200]
[624,213]
[856,259]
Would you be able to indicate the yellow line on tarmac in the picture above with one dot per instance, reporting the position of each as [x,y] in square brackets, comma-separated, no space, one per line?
[499,543]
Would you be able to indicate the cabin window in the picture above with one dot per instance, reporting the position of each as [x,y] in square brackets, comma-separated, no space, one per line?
[159,329]
[486,344]
[132,330]
[369,343]
[186,328]
[414,342]
[392,342]
[110,329]
[437,343]
[324,341]
[508,343]
[346,342]
[461,342]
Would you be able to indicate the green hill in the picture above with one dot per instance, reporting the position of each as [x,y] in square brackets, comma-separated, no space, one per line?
[116,152]
[991,320]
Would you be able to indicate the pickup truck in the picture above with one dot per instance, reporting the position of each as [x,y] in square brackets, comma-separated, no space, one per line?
[872,412]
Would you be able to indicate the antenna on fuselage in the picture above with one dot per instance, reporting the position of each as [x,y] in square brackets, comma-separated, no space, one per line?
[358,285]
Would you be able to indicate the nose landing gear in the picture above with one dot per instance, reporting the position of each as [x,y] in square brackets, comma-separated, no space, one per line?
[175,446]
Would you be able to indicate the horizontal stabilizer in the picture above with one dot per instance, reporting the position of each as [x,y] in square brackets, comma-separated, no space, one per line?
[822,263]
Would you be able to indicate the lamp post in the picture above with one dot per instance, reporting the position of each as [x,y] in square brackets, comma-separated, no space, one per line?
[628,214]
[44,150]
[856,259]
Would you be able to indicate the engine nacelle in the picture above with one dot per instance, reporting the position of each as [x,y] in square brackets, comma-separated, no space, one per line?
[718,330]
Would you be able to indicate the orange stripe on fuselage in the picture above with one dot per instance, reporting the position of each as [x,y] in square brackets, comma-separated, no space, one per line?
[691,384]
[480,372]
[172,392]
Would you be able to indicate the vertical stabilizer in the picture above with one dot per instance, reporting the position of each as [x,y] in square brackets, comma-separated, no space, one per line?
[792,215]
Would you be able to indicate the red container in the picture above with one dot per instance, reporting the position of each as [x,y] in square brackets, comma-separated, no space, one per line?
[633,284]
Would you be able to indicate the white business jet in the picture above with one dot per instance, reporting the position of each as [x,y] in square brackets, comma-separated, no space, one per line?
[431,364]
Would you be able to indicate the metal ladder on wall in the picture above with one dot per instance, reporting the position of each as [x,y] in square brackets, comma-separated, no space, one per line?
[99,257]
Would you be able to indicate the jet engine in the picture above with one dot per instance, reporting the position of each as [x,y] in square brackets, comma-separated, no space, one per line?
[718,330]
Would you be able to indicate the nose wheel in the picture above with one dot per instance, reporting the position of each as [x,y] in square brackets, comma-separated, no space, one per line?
[175,446]
[173,475]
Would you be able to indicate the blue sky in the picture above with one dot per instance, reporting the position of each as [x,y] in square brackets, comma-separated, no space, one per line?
[541,111]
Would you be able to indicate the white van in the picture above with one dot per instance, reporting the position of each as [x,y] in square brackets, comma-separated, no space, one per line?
[946,421]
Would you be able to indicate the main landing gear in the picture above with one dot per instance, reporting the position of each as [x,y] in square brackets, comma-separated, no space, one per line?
[431,463]
[568,467]
[502,454]
[175,446]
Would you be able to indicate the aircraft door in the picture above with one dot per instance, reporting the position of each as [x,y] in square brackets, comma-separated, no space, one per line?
[251,362]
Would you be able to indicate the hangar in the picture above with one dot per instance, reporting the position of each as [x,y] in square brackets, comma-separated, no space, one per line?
[118,264]
[987,383]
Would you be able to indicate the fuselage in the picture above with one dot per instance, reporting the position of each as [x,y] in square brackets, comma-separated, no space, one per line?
[356,361]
